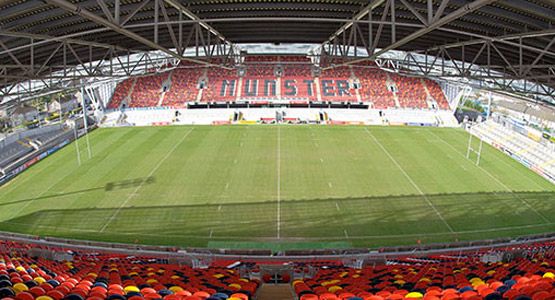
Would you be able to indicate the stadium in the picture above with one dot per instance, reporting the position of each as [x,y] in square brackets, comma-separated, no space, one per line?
[307,150]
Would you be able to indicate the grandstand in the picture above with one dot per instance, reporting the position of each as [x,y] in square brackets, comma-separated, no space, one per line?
[479,275]
[277,150]
[295,83]
[92,275]
[23,147]
[521,271]
[519,146]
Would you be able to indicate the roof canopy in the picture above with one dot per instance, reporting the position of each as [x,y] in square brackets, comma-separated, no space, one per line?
[514,37]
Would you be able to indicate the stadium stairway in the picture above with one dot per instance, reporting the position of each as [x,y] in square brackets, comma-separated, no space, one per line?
[390,81]
[275,292]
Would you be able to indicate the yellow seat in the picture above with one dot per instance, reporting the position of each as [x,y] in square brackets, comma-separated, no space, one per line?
[131,288]
[415,295]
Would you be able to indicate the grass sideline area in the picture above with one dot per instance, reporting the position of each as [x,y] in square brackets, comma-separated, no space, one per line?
[279,187]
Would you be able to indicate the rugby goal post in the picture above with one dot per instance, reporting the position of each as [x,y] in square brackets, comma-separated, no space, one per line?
[471,149]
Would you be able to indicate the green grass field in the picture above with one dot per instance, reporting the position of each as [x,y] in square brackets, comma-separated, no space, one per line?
[279,187]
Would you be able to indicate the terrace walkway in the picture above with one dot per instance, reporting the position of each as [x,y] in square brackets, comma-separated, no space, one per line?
[275,292]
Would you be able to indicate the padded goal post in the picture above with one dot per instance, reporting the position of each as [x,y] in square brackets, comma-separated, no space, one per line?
[474,149]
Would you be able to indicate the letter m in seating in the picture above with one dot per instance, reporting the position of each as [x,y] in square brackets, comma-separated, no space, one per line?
[228,88]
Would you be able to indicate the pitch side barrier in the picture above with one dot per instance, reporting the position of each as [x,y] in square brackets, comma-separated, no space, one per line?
[190,255]
[26,161]
[259,103]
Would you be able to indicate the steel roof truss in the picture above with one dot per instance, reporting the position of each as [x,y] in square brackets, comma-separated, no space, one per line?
[117,28]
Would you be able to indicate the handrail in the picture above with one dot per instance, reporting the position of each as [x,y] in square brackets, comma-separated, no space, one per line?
[190,253]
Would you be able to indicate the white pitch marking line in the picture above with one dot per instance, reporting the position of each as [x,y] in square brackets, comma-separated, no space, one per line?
[144,180]
[330,185]
[504,162]
[227,185]
[38,196]
[410,180]
[346,234]
[211,231]
[17,184]
[219,208]
[337,206]
[497,180]
[278,215]
[498,229]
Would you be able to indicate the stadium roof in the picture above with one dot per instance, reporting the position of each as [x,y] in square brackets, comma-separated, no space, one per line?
[513,37]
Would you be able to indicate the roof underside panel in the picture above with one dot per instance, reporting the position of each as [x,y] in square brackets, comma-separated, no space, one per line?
[45,23]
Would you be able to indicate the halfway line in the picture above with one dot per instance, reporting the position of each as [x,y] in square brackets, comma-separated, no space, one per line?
[278,215]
